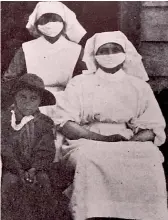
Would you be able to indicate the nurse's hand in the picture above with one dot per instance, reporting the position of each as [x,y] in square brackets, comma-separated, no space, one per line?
[143,135]
[115,138]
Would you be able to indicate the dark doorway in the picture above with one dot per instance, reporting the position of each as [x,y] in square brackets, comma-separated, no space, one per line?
[14,16]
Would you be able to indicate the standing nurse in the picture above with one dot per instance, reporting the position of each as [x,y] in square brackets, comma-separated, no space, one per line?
[55,54]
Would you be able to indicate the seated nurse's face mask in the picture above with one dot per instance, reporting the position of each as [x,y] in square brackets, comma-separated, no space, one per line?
[110,55]
[50,25]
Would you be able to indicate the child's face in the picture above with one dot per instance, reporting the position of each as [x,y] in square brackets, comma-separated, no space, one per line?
[27,101]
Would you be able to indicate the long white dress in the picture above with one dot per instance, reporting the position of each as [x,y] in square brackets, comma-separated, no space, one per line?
[122,179]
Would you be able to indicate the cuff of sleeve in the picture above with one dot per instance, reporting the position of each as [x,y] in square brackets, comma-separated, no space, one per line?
[61,124]
[160,136]
[159,132]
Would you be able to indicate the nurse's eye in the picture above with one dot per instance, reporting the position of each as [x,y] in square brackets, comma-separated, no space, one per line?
[48,17]
[115,50]
[55,18]
[103,51]
[42,21]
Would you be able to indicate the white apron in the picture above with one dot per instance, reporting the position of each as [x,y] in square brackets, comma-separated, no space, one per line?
[119,180]
[54,63]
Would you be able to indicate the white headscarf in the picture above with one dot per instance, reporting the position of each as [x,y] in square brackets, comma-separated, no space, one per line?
[133,63]
[74,29]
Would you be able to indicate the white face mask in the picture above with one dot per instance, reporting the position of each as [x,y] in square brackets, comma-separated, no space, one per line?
[51,29]
[111,60]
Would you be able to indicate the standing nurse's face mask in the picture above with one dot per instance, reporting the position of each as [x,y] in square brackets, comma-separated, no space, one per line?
[51,29]
[110,61]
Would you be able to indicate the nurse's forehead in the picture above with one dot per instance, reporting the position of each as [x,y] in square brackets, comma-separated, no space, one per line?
[47,16]
[110,45]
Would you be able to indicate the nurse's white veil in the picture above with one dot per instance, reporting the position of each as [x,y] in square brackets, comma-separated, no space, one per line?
[73,29]
[133,63]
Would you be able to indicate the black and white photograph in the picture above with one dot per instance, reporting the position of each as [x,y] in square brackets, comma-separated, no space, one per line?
[84,110]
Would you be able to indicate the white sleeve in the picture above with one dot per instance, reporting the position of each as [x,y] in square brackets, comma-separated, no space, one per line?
[150,116]
[68,105]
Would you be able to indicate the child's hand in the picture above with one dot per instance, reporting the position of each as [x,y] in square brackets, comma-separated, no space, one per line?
[22,175]
[30,176]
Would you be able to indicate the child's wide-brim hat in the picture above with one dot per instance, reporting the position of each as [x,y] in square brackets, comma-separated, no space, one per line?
[34,82]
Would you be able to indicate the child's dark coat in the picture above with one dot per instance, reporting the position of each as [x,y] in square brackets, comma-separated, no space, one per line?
[31,147]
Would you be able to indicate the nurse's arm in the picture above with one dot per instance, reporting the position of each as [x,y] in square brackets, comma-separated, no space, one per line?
[74,131]
[150,121]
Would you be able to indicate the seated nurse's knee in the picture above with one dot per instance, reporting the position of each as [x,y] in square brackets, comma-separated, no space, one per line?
[84,152]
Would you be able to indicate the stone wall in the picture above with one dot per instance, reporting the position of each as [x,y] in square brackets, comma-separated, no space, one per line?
[154,42]
[154,49]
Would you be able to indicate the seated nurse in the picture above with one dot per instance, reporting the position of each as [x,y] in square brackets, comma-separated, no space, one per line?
[55,54]
[113,126]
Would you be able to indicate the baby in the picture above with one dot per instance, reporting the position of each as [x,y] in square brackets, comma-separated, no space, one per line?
[28,148]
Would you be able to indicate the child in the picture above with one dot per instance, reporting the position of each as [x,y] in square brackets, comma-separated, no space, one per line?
[28,150]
